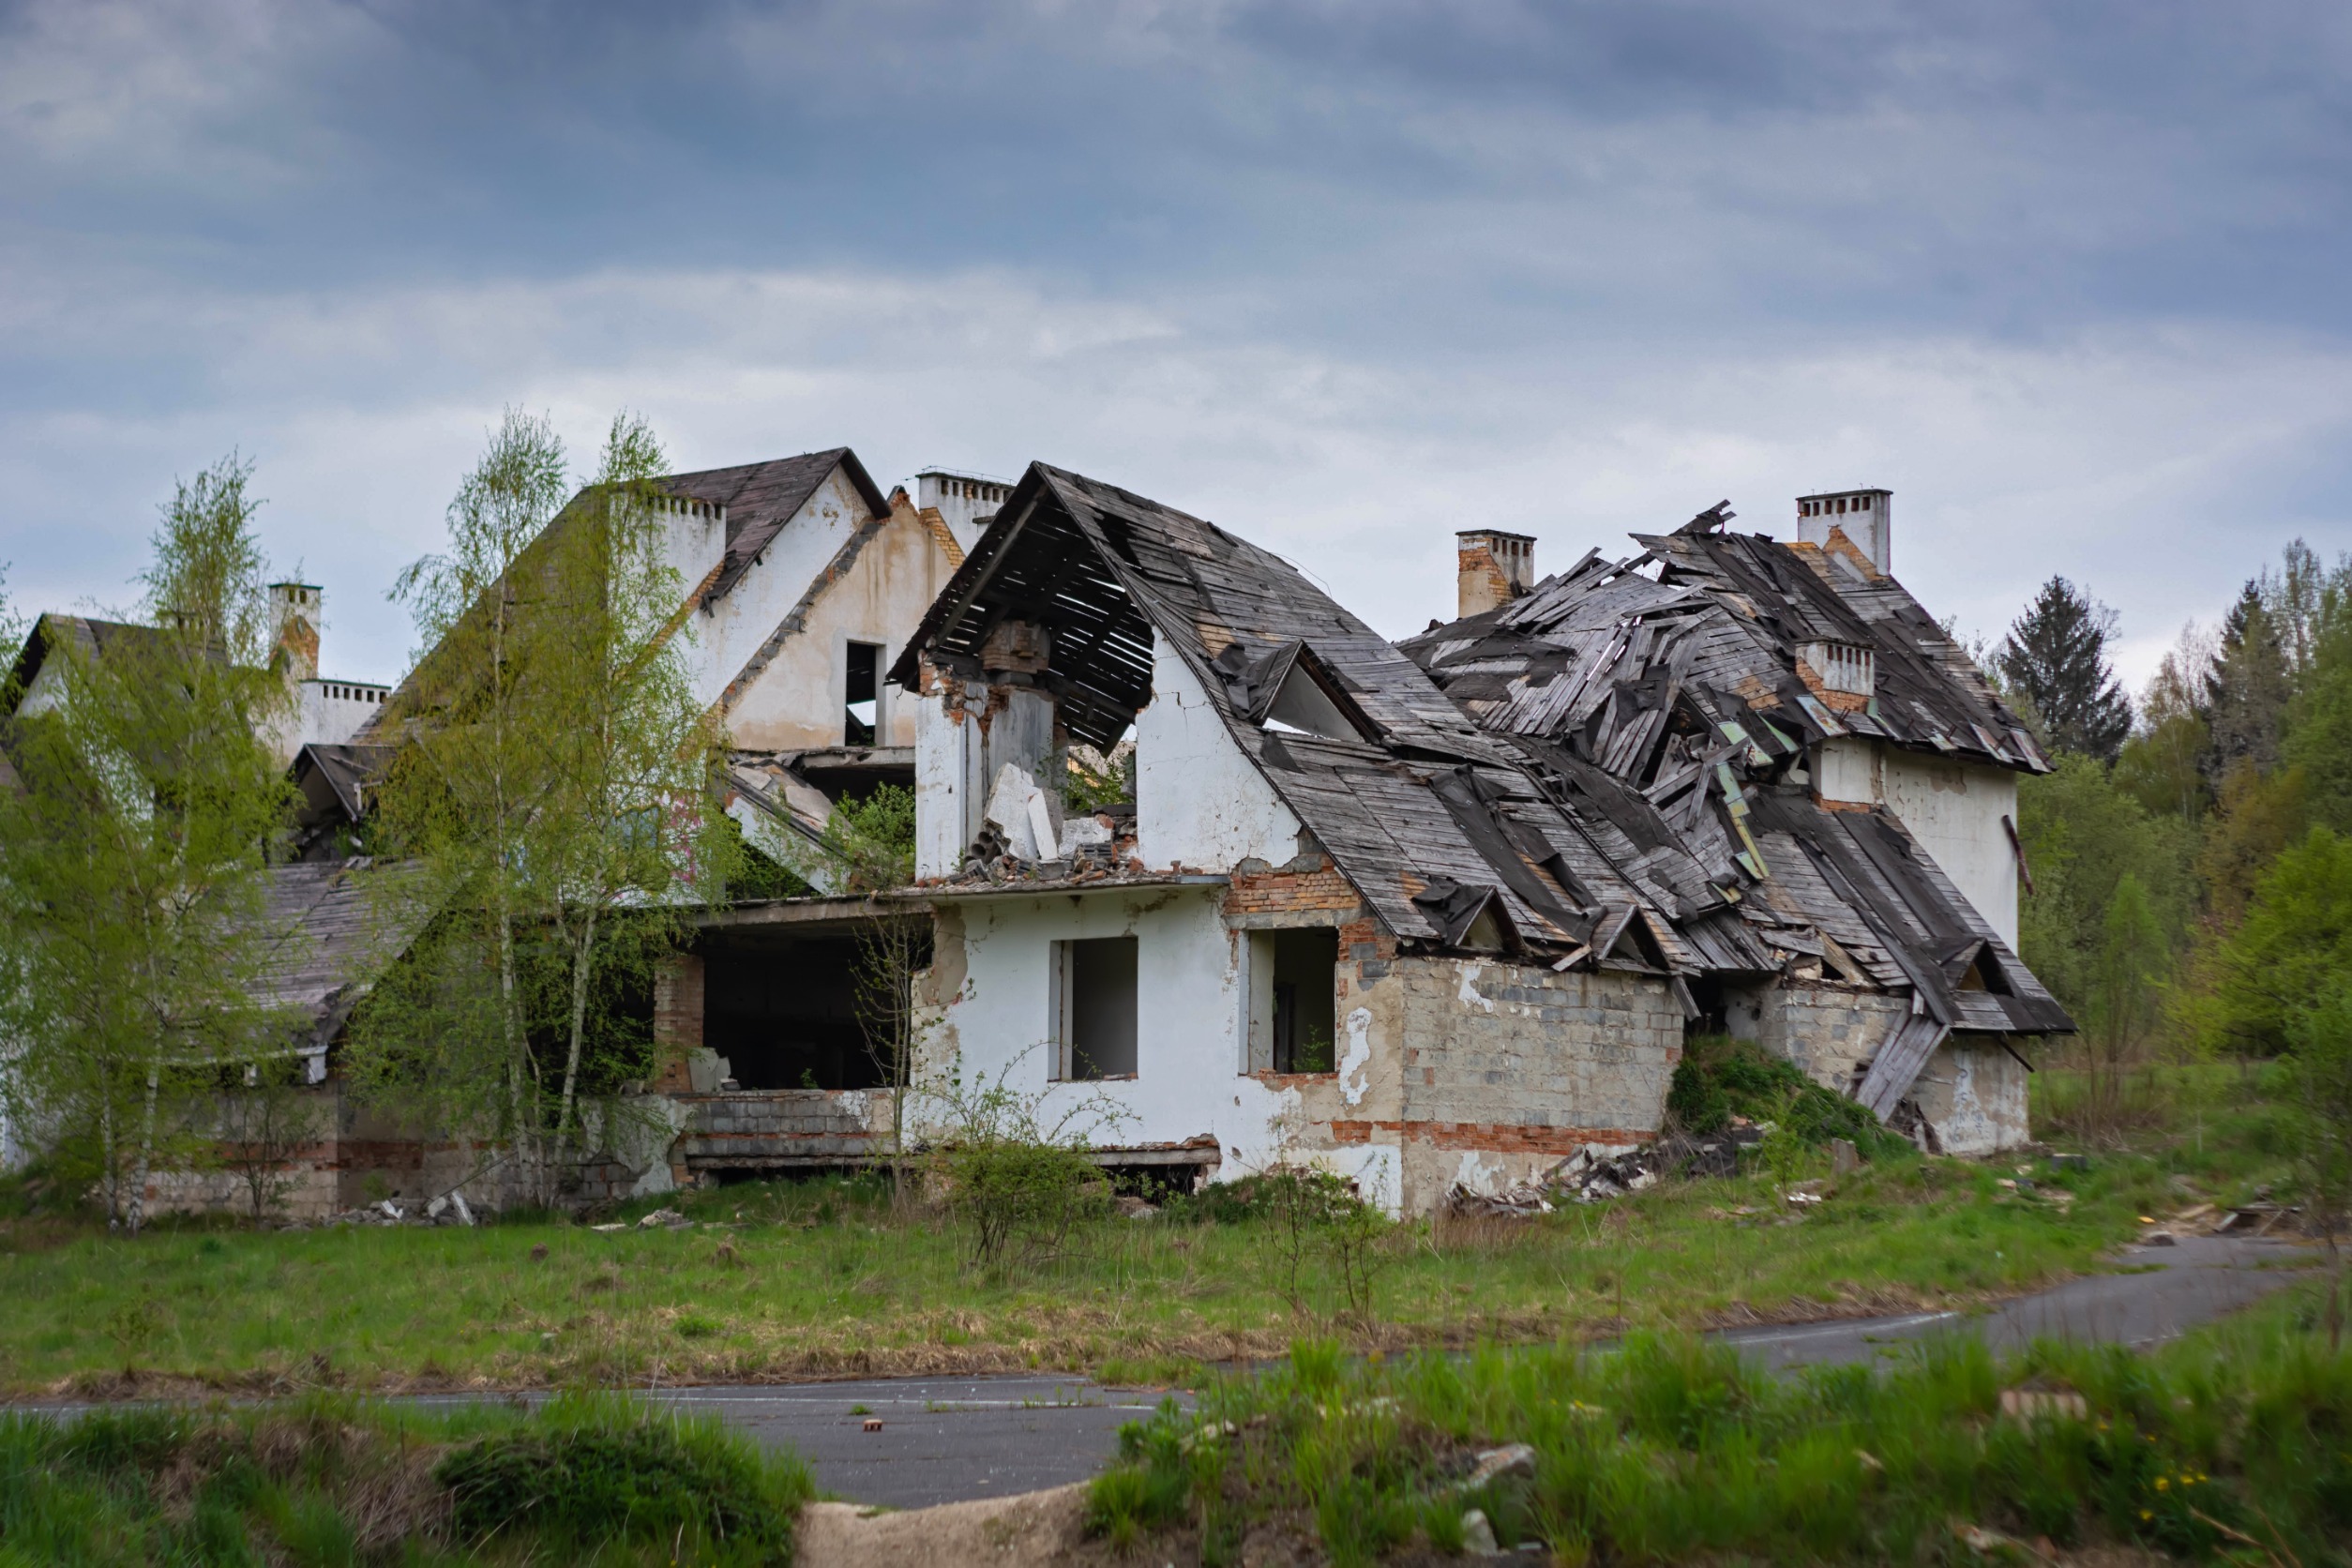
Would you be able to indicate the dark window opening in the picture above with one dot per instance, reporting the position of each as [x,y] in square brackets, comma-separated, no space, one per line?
[863,688]
[1304,1008]
[783,1011]
[1097,1007]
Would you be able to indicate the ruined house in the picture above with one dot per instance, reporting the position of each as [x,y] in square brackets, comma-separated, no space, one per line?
[802,583]
[1791,719]
[1339,921]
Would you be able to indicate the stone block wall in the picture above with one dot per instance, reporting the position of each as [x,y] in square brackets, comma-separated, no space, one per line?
[1971,1090]
[1827,1029]
[1506,1069]
[1973,1093]
[780,1129]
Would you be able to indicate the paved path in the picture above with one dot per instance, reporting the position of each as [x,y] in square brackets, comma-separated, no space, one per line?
[2173,1290]
[947,1440]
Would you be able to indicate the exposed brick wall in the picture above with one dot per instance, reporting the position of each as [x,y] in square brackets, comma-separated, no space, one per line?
[677,1019]
[1288,893]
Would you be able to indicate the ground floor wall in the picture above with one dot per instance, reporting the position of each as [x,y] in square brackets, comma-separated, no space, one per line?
[1448,1070]
[1972,1091]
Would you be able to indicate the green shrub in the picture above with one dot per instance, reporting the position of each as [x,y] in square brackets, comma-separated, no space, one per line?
[1719,1079]
[597,1471]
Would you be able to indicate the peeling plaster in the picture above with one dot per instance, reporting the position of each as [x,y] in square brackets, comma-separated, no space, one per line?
[1468,993]
[1354,1082]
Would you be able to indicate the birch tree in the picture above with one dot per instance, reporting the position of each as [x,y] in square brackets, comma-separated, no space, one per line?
[133,851]
[550,795]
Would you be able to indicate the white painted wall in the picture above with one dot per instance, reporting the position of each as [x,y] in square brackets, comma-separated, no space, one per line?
[1199,802]
[1191,986]
[733,630]
[949,788]
[1955,809]
[795,702]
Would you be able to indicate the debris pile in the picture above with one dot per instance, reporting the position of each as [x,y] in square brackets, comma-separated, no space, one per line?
[1597,1172]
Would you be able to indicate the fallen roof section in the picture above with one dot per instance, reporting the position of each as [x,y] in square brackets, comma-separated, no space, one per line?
[1412,801]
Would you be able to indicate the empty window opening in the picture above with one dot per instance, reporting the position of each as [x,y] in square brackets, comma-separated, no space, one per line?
[1294,1007]
[784,1012]
[864,695]
[1094,1007]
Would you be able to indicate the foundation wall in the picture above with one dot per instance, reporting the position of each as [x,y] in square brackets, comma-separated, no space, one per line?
[1974,1096]
[1508,1069]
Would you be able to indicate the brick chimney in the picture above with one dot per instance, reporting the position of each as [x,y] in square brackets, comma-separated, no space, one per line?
[1494,568]
[1866,516]
[293,629]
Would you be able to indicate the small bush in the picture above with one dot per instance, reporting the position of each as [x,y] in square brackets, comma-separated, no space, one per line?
[598,1470]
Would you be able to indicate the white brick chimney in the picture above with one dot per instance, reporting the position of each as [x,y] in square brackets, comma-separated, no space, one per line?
[1866,516]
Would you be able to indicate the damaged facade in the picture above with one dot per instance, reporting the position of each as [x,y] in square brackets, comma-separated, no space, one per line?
[1789,719]
[1435,915]
[1444,923]
[1340,920]
[802,581]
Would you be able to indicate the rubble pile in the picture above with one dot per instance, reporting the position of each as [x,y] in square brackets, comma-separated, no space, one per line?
[1595,1173]
[448,1209]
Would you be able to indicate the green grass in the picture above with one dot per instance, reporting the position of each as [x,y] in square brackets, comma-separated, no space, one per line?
[328,1481]
[1672,1451]
[821,1277]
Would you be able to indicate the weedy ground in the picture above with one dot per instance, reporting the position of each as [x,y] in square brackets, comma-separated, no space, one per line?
[780,1280]
[330,1480]
[2230,1447]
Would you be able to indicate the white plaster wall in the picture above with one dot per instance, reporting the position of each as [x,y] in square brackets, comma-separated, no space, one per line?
[733,628]
[796,702]
[949,789]
[1955,809]
[1199,801]
[692,544]
[1189,984]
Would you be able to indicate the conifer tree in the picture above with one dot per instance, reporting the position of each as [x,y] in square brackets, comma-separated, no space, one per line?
[2055,657]
[2246,692]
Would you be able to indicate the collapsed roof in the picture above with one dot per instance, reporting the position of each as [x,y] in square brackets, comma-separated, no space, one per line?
[1441,828]
[1680,704]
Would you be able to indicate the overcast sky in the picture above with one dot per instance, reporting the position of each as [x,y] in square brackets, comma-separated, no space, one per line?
[2071,281]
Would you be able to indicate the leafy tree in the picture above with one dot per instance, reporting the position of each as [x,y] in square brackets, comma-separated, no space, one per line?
[134,937]
[2055,657]
[2083,835]
[2294,943]
[2161,765]
[550,800]
[2258,815]
[2321,1034]
[2133,958]
[2319,733]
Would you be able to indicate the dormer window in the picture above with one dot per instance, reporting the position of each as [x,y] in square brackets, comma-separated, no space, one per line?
[1845,667]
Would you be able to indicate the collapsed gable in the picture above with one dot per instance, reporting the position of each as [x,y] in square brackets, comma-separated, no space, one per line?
[1679,707]
[1424,814]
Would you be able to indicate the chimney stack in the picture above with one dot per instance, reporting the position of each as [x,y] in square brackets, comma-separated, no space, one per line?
[1866,516]
[294,628]
[1494,568]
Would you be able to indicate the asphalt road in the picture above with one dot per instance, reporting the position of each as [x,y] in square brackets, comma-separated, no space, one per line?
[949,1439]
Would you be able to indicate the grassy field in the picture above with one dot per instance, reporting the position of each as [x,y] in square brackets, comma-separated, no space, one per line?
[329,1481]
[797,1280]
[2228,1446]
